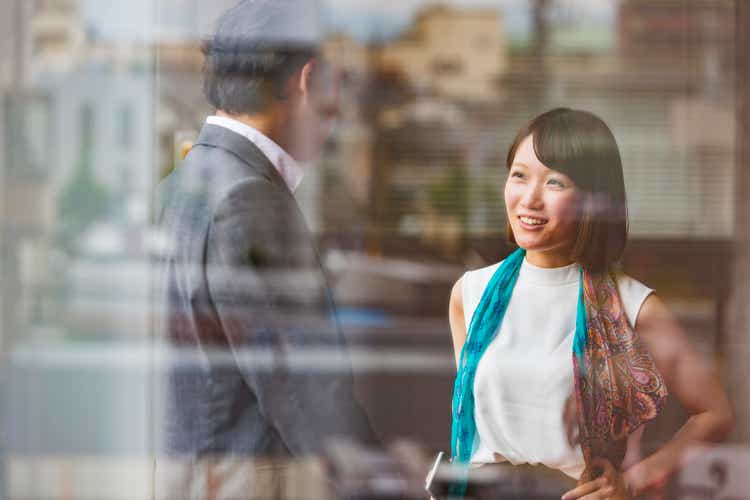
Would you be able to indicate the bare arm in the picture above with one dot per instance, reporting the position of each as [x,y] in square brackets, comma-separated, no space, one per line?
[456,318]
[692,381]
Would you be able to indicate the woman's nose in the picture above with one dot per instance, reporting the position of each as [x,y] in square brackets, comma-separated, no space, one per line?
[532,196]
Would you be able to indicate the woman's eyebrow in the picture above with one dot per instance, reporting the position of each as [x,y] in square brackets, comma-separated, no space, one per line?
[519,164]
[560,176]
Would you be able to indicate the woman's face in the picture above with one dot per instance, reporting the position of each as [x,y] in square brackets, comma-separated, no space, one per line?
[543,207]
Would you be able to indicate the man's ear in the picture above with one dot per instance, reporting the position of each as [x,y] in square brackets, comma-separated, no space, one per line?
[307,77]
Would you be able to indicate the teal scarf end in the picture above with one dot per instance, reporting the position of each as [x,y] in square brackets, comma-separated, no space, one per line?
[483,327]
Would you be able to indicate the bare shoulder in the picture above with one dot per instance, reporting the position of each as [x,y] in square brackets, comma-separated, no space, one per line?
[457,293]
[660,330]
[456,318]
[654,312]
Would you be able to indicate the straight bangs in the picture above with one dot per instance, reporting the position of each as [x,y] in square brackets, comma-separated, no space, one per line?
[582,147]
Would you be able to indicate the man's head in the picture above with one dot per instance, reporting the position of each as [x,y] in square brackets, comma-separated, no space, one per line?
[264,62]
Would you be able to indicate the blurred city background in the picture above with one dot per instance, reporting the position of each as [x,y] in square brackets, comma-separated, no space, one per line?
[100,99]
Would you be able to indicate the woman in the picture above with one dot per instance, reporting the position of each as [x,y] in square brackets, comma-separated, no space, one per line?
[553,373]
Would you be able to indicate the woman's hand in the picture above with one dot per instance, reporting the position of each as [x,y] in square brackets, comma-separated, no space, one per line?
[611,485]
[650,476]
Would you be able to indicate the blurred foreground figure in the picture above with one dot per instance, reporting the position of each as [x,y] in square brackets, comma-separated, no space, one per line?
[259,381]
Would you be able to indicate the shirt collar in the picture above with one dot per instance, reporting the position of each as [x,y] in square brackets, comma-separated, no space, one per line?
[289,168]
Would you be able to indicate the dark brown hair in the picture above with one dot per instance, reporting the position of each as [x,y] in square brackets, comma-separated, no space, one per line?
[244,77]
[580,145]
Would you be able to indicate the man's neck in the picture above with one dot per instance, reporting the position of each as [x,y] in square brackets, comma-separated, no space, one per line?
[262,122]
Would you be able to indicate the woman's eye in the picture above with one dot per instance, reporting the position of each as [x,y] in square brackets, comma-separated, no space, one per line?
[516,174]
[556,182]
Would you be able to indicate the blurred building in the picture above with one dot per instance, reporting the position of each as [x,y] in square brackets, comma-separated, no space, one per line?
[26,152]
[453,52]
[648,27]
[15,44]
[114,105]
[685,52]
[697,34]
[345,174]
[77,149]
[39,34]
[187,20]
[56,33]
[404,126]
[349,55]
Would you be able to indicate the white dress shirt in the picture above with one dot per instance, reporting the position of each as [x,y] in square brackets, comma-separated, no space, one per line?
[289,168]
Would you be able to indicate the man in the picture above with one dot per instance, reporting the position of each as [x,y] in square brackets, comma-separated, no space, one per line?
[261,374]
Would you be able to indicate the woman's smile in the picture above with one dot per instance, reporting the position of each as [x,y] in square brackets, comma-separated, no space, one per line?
[532,223]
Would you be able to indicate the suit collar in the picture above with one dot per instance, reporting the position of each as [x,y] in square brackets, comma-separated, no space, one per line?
[215,136]
[291,170]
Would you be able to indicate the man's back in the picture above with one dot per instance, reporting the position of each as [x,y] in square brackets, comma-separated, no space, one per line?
[259,366]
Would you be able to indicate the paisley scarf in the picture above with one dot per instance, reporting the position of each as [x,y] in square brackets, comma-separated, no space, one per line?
[617,385]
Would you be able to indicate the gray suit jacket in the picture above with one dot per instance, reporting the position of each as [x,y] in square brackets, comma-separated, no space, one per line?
[261,367]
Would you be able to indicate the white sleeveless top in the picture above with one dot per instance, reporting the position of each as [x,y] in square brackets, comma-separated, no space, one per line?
[526,374]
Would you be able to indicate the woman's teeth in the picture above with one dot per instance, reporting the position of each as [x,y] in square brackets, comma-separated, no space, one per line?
[532,221]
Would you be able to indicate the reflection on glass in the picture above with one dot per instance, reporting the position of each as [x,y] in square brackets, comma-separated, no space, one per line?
[102,100]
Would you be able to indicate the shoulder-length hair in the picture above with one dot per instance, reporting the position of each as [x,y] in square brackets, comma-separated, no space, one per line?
[580,145]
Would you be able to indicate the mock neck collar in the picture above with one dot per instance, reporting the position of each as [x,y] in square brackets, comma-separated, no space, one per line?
[550,275]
